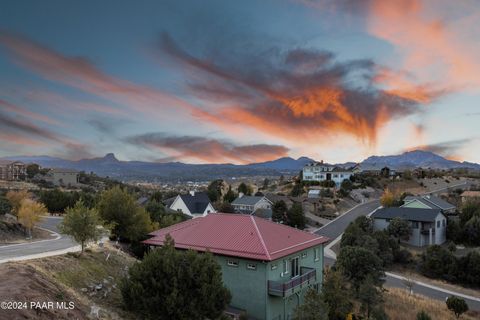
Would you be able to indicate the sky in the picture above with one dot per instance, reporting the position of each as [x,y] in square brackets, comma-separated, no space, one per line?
[239,81]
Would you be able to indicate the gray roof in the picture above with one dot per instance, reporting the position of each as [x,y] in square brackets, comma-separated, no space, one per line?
[411,214]
[431,201]
[263,213]
[247,200]
[196,203]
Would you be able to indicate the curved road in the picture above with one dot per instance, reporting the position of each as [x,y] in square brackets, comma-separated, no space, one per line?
[335,228]
[59,244]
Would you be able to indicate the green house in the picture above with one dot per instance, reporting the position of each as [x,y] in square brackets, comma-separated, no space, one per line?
[267,267]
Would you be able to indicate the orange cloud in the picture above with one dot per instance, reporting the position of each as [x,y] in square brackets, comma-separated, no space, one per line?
[302,94]
[434,46]
[10,107]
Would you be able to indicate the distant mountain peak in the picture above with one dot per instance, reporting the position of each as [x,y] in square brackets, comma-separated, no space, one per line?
[110,157]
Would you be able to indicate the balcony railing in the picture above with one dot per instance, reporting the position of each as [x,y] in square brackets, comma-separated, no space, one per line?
[283,289]
[427,231]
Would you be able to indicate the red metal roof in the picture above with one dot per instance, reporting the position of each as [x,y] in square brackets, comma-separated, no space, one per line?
[237,235]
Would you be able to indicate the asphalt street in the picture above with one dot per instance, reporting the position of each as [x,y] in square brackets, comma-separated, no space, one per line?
[58,242]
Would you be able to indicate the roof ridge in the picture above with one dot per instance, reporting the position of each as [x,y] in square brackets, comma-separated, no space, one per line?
[261,238]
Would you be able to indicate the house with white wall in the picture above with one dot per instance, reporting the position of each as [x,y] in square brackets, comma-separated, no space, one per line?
[429,226]
[319,171]
[62,177]
[194,204]
[428,201]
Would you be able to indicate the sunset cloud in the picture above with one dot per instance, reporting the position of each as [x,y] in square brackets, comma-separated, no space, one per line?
[82,74]
[296,94]
[12,108]
[448,149]
[207,150]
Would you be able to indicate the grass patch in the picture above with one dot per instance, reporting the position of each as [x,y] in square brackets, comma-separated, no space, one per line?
[399,305]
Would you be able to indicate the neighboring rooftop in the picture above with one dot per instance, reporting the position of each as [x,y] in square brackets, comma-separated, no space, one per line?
[63,170]
[4,162]
[411,214]
[431,201]
[247,200]
[196,202]
[237,235]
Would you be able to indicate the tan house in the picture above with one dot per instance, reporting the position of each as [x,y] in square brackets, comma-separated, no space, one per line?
[62,177]
[469,195]
[12,170]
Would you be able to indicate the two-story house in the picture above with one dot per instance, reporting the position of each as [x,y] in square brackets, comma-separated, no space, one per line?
[429,226]
[250,204]
[193,204]
[267,267]
[319,171]
[12,170]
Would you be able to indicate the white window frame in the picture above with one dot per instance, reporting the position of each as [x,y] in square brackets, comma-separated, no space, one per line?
[232,263]
[285,266]
[316,254]
[251,266]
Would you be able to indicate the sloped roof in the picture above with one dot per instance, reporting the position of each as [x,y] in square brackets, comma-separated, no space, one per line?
[5,162]
[196,203]
[411,214]
[248,200]
[237,235]
[431,201]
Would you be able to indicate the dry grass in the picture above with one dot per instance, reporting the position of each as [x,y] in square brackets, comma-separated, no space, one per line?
[399,305]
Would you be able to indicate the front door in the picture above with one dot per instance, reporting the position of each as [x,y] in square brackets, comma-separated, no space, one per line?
[329,176]
[295,267]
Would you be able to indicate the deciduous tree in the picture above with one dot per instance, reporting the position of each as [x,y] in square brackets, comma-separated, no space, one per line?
[15,198]
[30,213]
[82,224]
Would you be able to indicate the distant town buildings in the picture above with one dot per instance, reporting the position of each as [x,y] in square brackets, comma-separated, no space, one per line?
[250,204]
[267,267]
[319,171]
[62,177]
[12,170]
[194,204]
[429,226]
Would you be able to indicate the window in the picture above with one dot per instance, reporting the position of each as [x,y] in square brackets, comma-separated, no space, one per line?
[251,266]
[415,224]
[304,255]
[438,224]
[285,266]
[232,263]
[316,253]
[274,266]
[443,223]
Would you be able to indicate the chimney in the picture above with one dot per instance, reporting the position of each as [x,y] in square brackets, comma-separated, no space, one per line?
[192,193]
[240,194]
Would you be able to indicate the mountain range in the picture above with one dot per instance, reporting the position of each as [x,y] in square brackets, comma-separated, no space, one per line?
[110,166]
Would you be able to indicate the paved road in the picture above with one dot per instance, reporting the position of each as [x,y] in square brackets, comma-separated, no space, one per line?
[335,229]
[59,242]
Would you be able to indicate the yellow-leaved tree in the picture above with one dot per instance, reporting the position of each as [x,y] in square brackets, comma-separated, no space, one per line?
[30,213]
[15,198]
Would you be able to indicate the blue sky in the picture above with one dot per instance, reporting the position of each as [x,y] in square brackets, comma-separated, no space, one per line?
[224,81]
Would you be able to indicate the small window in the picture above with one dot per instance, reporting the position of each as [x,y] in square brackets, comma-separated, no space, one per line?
[285,266]
[251,266]
[443,222]
[415,225]
[304,255]
[316,253]
[232,263]
[274,266]
[438,224]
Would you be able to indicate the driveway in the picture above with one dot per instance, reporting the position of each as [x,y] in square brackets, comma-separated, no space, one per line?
[59,244]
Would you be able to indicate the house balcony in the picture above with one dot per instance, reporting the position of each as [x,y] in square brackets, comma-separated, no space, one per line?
[427,231]
[286,288]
